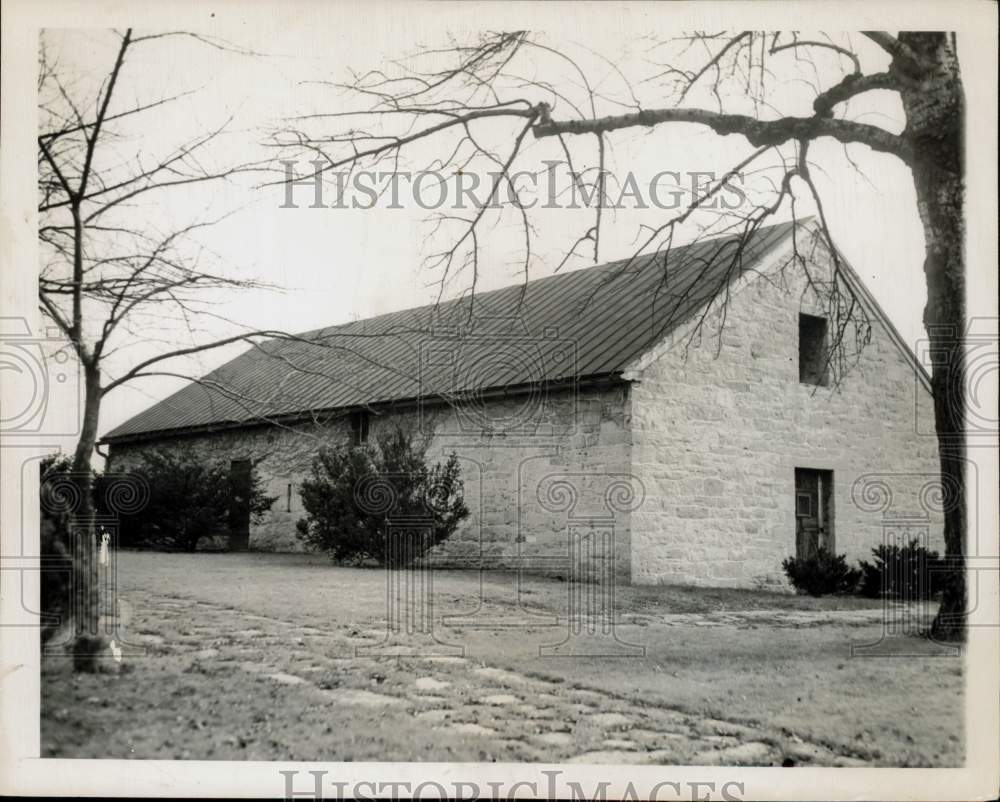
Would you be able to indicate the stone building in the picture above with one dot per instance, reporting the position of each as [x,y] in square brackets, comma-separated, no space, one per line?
[695,416]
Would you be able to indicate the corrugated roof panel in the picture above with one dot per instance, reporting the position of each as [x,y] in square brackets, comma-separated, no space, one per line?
[589,322]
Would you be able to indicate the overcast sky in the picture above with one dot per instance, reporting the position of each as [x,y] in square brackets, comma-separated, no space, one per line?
[334,265]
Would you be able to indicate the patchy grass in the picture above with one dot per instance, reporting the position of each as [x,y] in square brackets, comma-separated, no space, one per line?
[255,657]
[680,599]
[263,582]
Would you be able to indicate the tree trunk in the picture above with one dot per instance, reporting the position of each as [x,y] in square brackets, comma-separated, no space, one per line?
[88,642]
[944,318]
[935,113]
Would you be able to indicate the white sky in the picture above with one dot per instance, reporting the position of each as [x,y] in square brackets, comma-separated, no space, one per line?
[334,265]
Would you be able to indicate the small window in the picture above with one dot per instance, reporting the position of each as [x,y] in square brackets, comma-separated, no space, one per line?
[803,505]
[240,471]
[812,350]
[288,499]
[359,427]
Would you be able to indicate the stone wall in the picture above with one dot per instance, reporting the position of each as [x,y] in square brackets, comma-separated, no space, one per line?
[720,422]
[284,454]
[534,466]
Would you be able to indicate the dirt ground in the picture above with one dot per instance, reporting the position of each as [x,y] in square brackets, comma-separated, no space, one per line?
[284,657]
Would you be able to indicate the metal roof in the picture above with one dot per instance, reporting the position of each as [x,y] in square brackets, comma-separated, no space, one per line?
[587,323]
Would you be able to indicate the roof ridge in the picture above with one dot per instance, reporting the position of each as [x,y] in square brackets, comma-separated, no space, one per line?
[762,231]
[381,359]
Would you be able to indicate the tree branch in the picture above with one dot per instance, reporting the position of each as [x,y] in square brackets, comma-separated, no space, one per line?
[901,53]
[851,86]
[194,349]
[101,114]
[758,132]
[801,43]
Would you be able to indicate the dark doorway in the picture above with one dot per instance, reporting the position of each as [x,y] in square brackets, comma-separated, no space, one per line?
[239,504]
[813,511]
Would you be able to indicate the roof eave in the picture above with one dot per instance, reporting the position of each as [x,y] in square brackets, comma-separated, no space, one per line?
[394,405]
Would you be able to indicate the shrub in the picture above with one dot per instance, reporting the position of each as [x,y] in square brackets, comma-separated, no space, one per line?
[821,574]
[353,493]
[189,499]
[902,572]
[56,563]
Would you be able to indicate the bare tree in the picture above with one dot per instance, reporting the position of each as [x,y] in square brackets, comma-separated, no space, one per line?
[107,270]
[515,87]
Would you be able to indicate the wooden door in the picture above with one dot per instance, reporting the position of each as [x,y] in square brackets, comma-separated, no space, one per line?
[239,504]
[813,511]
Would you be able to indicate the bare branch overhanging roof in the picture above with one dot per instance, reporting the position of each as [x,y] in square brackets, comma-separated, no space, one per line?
[556,330]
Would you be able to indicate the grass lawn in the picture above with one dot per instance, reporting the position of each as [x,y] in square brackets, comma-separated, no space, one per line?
[255,656]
